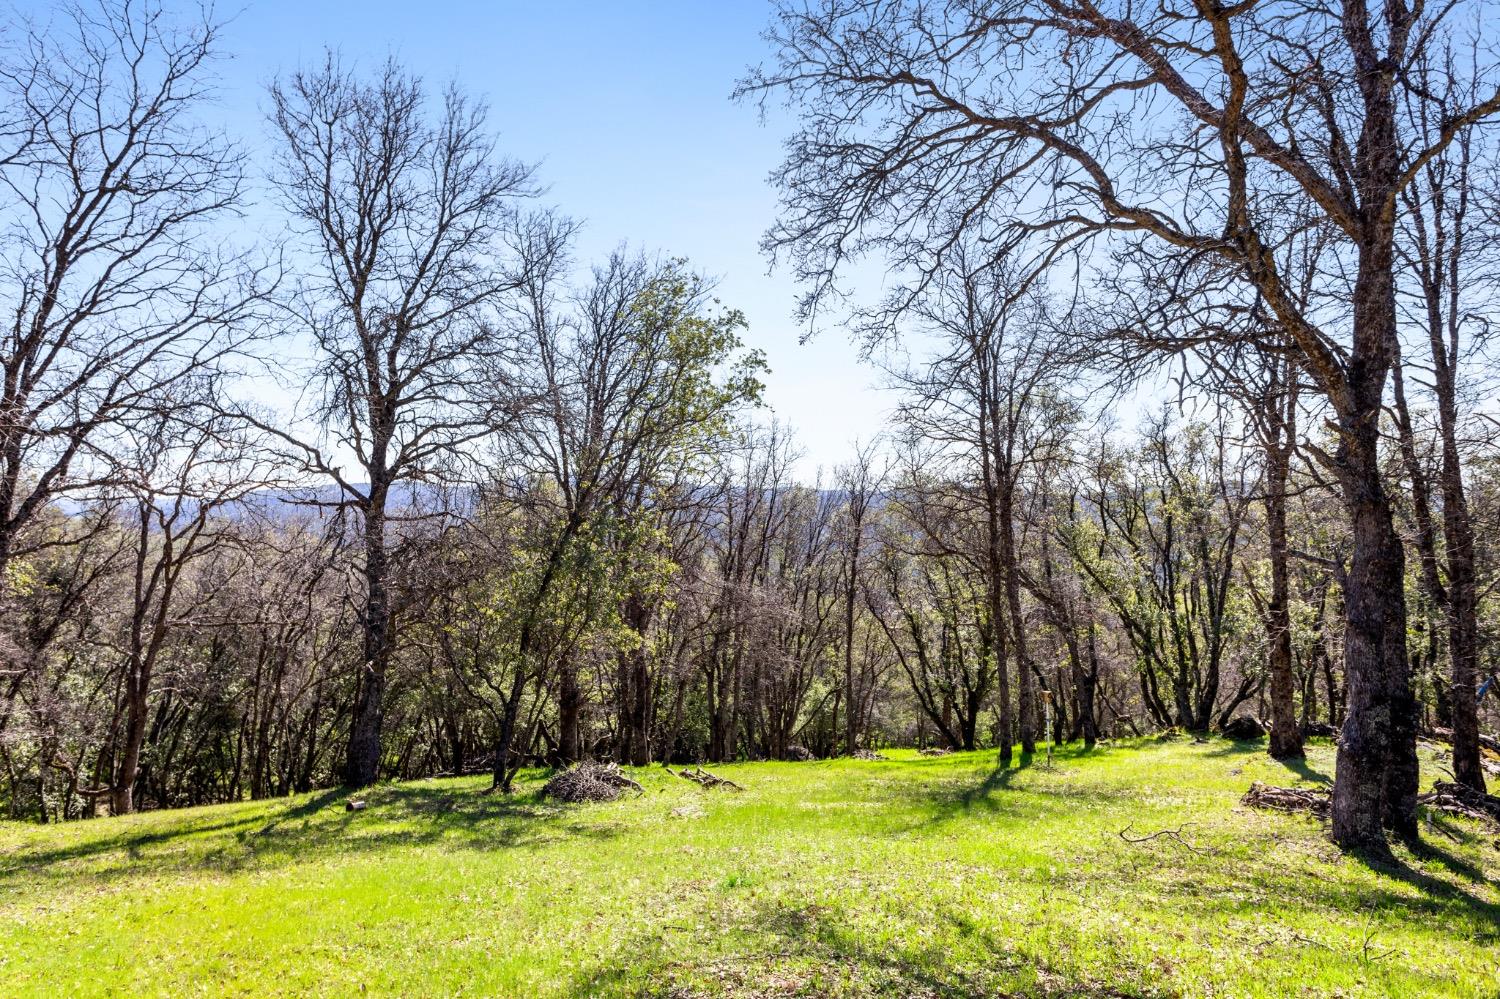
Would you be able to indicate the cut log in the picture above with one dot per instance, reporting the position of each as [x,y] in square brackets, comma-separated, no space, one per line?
[354,805]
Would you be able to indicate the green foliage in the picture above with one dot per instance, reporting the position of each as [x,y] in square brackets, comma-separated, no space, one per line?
[939,877]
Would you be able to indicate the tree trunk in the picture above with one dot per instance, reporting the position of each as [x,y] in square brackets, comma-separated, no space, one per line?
[569,710]
[1463,590]
[362,765]
[851,717]
[1376,777]
[122,795]
[1286,734]
[638,721]
[1025,695]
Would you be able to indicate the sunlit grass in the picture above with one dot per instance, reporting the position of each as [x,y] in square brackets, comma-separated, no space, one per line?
[919,876]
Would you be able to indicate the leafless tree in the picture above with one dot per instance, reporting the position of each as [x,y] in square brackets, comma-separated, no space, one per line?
[115,295]
[402,211]
[927,122]
[860,484]
[179,510]
[1448,253]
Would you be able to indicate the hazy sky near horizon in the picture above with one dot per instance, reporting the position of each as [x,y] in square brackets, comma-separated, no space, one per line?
[625,107]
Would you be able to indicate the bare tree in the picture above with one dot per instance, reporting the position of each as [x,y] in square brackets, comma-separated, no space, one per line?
[188,478]
[1448,251]
[402,211]
[987,408]
[860,483]
[926,122]
[115,296]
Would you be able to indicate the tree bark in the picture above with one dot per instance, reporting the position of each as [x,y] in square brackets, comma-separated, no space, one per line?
[1286,734]
[1376,781]
[362,764]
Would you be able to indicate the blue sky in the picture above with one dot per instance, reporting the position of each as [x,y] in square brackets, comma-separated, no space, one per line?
[626,107]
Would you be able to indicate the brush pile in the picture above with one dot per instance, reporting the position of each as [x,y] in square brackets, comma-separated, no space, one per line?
[589,781]
[936,751]
[1244,727]
[867,754]
[1288,799]
[799,754]
[703,778]
[1460,800]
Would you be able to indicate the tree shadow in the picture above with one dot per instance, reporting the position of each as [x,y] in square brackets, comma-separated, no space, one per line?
[1303,769]
[396,815]
[1395,867]
[1235,747]
[785,949]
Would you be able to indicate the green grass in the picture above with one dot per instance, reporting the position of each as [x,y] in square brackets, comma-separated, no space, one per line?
[917,877]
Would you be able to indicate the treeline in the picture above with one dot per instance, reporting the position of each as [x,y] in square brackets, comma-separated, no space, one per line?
[509,508]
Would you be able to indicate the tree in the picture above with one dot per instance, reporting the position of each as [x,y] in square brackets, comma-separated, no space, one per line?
[114,298]
[177,515]
[401,212]
[924,123]
[1447,252]
[627,382]
[860,483]
[987,409]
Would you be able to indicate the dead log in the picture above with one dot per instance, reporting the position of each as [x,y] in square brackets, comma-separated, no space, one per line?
[703,778]
[354,805]
[1438,734]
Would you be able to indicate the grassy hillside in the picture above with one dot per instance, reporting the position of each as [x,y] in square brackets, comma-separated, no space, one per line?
[917,877]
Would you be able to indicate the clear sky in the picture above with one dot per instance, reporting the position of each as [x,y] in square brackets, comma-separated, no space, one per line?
[626,107]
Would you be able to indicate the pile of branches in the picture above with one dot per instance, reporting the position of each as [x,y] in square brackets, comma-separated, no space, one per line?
[866,754]
[589,781]
[799,754]
[936,751]
[1244,727]
[702,777]
[1288,799]
[1461,800]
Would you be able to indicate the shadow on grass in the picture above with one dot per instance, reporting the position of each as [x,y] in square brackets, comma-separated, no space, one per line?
[813,949]
[1436,889]
[397,815]
[1235,747]
[1302,769]
[1009,791]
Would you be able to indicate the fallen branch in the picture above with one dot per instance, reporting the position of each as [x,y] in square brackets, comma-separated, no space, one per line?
[1488,742]
[1457,799]
[702,777]
[1175,835]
